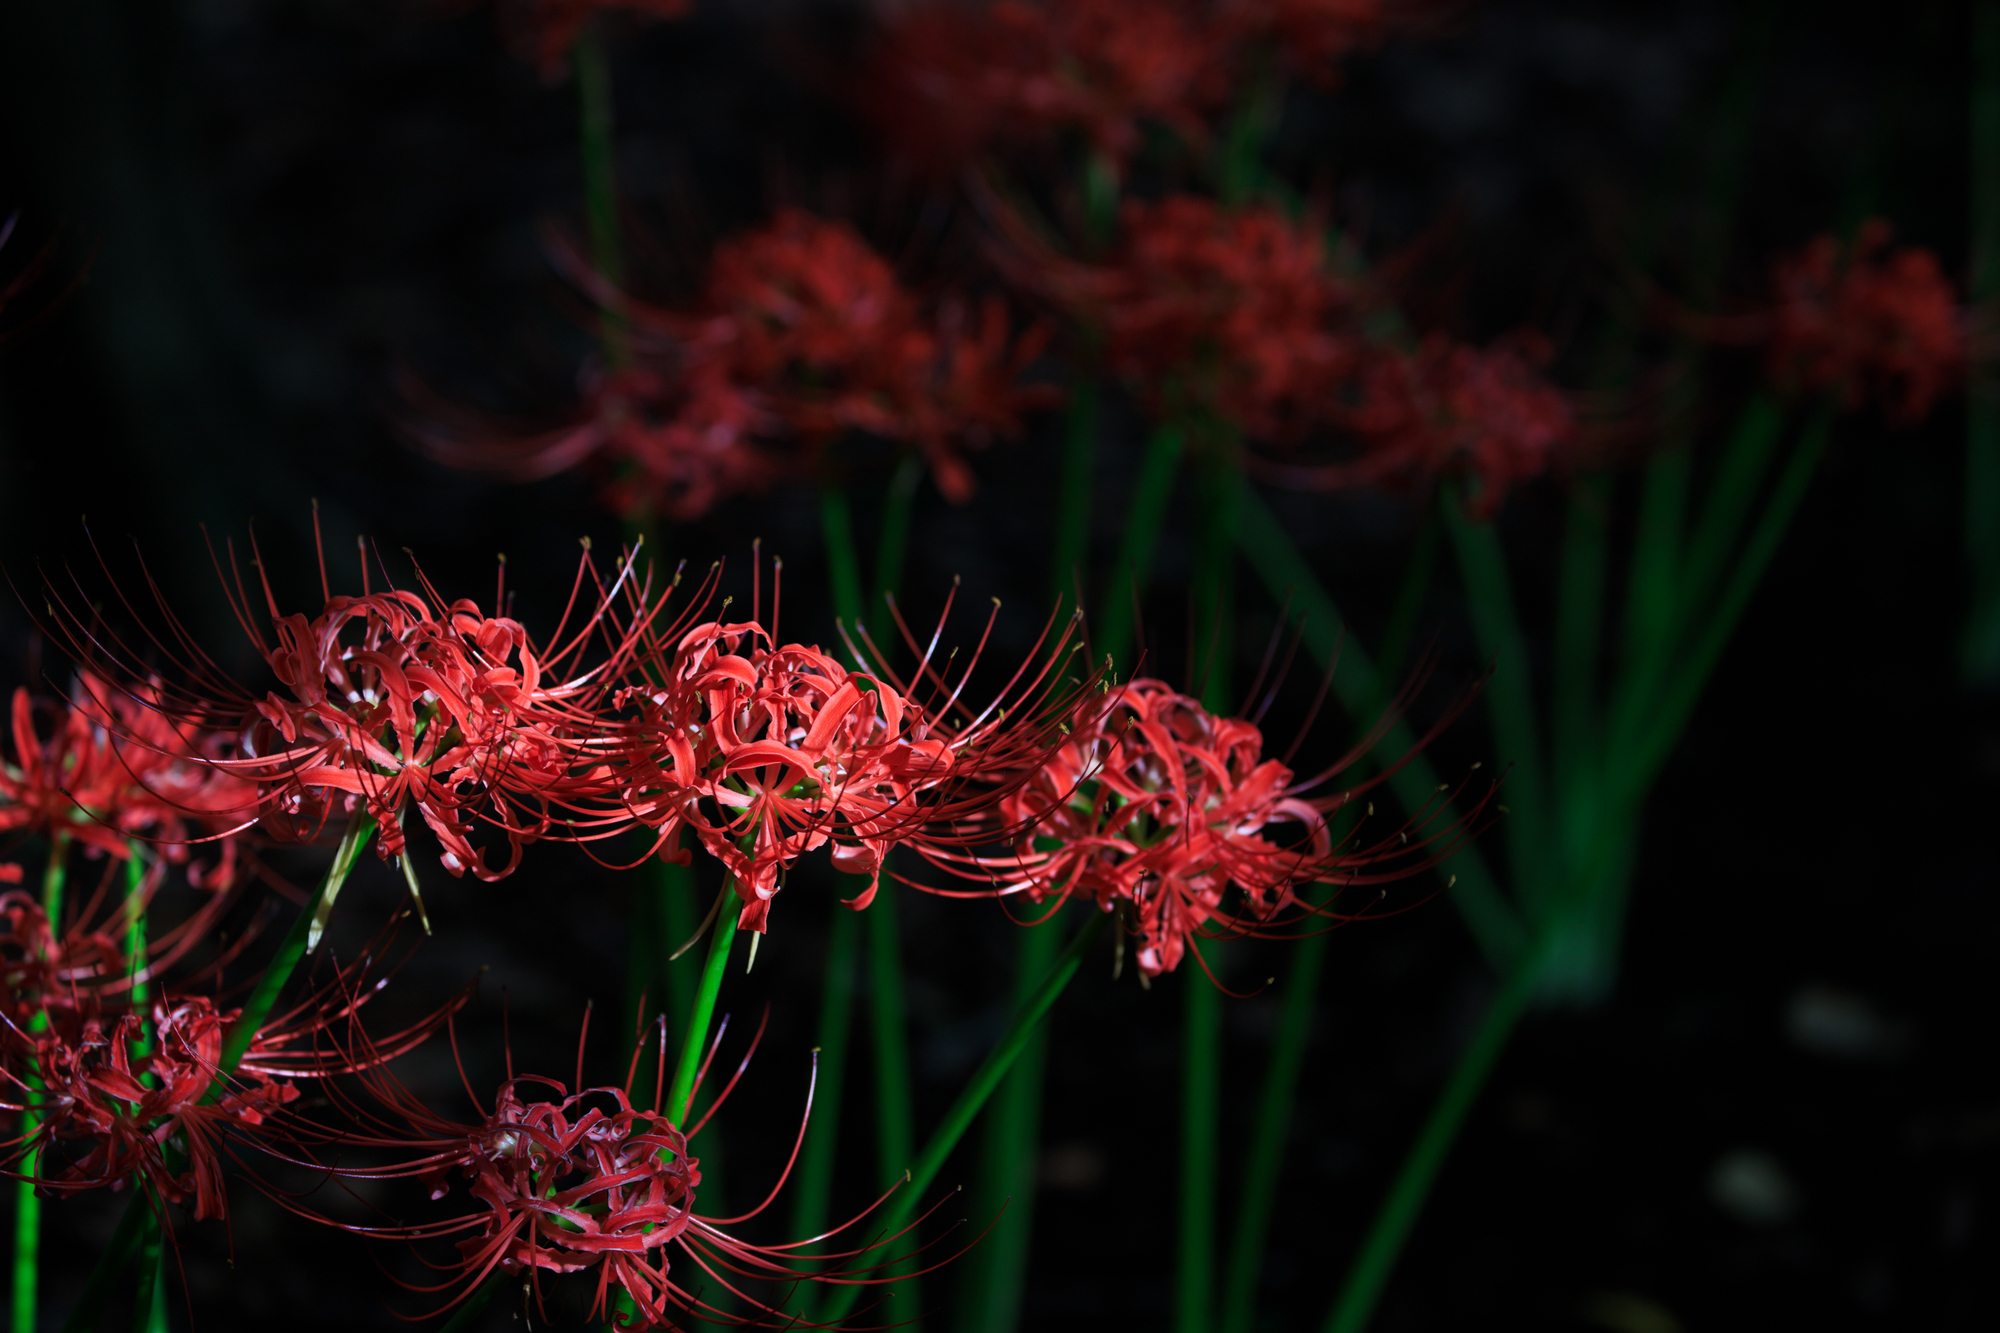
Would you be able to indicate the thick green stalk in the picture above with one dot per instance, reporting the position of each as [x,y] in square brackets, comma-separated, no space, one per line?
[994,1275]
[28,1204]
[1136,545]
[843,567]
[595,125]
[89,1308]
[467,1314]
[149,1300]
[1201,1116]
[695,1043]
[1510,700]
[1079,465]
[1267,1140]
[894,542]
[1201,1059]
[895,1213]
[814,1190]
[894,1130]
[304,932]
[1666,721]
[1405,1200]
[1494,922]
[1981,656]
[1579,622]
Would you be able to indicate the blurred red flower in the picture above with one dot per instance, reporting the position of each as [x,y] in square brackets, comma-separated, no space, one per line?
[1865,322]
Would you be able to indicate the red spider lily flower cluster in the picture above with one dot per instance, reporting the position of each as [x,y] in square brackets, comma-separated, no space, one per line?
[1236,313]
[400,700]
[567,1182]
[952,79]
[803,334]
[111,768]
[129,1093]
[1861,321]
[765,752]
[117,1097]
[1446,408]
[1178,820]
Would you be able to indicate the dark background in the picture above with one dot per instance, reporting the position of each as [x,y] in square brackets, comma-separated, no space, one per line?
[281,205]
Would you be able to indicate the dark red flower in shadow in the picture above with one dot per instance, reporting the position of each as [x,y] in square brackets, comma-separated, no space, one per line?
[1446,408]
[802,334]
[581,1181]
[954,80]
[1865,322]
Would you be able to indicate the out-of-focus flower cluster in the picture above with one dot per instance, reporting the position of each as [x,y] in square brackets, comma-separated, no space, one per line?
[802,334]
[1861,321]
[952,80]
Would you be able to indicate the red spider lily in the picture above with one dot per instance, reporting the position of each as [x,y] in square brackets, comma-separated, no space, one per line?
[112,769]
[1309,35]
[114,1100]
[569,1182]
[1448,407]
[127,1093]
[1234,310]
[768,752]
[1177,819]
[398,699]
[803,333]
[1861,322]
[673,445]
[952,79]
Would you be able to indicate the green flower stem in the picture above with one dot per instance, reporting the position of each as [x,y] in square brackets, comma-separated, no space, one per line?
[468,1312]
[28,1204]
[1405,1200]
[149,1300]
[1579,625]
[1079,466]
[595,123]
[1981,656]
[894,1115]
[814,1190]
[694,1045]
[1201,1116]
[1274,1105]
[894,541]
[1201,1061]
[995,1273]
[1136,546]
[1267,1140]
[896,1212]
[993,1276]
[1664,723]
[1510,698]
[304,933]
[843,566]
[1494,922]
[125,1241]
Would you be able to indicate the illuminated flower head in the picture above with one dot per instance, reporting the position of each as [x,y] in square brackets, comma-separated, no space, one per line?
[767,751]
[396,700]
[1177,820]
